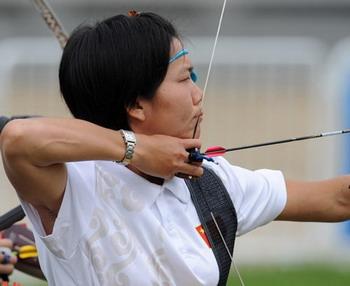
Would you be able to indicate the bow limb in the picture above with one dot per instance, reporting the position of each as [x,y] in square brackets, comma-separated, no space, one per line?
[56,27]
[52,21]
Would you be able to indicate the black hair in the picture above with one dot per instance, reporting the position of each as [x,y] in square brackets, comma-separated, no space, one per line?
[105,67]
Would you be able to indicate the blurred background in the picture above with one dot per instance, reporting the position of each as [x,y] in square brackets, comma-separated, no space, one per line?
[281,69]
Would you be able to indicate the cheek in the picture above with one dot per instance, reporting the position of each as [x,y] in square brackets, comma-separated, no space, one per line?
[174,102]
[182,105]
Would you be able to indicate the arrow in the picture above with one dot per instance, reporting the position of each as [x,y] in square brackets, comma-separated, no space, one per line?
[215,151]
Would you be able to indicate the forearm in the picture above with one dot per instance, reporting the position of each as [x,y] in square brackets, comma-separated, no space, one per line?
[43,142]
[324,201]
[48,141]
[341,209]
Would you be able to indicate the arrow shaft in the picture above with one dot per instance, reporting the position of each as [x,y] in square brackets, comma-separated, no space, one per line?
[325,134]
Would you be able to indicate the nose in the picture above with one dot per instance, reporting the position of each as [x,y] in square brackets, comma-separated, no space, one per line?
[197,95]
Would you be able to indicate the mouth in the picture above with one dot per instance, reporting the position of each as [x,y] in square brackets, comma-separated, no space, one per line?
[199,115]
[198,118]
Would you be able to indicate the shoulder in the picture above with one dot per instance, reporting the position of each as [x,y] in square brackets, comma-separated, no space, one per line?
[242,178]
[258,196]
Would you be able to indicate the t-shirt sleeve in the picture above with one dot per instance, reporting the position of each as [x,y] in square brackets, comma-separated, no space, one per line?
[258,196]
[69,225]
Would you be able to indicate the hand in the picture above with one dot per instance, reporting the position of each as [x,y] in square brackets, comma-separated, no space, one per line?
[7,260]
[164,156]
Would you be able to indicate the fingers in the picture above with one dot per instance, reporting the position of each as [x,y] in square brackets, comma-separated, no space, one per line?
[165,156]
[192,170]
[191,143]
[183,176]
[189,169]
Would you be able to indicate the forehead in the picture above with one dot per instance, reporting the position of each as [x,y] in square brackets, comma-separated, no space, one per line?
[176,45]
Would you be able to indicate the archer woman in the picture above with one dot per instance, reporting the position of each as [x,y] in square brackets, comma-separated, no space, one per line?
[100,189]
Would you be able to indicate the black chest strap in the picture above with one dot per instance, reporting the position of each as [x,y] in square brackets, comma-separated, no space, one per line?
[210,196]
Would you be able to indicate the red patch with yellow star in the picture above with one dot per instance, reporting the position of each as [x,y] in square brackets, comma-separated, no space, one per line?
[201,232]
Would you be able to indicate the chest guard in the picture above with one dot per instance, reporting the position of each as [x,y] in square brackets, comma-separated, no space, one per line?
[210,196]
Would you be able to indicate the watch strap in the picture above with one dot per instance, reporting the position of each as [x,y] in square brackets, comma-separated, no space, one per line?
[130,143]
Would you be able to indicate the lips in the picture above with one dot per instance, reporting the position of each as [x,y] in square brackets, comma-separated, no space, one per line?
[199,114]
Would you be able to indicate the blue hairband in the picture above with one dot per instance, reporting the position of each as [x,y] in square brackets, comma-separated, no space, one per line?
[179,54]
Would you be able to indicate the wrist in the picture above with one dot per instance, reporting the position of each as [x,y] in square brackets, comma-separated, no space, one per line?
[129,140]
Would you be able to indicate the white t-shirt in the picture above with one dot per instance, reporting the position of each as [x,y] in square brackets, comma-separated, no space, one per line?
[116,228]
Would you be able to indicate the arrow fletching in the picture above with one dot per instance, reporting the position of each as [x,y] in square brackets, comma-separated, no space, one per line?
[215,151]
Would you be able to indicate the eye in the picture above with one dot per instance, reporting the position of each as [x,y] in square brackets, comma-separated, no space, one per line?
[193,76]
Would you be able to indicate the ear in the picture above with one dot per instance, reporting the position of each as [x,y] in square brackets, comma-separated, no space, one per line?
[137,111]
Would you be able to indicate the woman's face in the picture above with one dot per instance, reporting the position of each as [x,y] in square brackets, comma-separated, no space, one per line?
[176,106]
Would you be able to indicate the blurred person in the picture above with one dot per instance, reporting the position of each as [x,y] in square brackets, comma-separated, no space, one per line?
[101,189]
[7,260]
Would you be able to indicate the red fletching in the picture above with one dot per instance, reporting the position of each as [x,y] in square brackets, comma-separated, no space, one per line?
[215,151]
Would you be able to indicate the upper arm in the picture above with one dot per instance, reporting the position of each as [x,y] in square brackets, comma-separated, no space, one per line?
[326,200]
[38,185]
[258,196]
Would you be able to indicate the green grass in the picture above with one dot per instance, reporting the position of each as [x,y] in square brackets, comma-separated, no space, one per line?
[299,275]
[26,280]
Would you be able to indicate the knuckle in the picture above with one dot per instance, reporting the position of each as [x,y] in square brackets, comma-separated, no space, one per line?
[181,157]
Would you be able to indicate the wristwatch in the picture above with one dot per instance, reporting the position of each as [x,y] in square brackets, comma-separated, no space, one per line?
[130,143]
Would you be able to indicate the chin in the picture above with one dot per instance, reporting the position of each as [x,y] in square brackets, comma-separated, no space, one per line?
[189,134]
[197,136]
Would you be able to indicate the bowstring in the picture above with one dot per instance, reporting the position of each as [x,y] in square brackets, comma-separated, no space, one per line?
[214,49]
[227,249]
[195,129]
[211,60]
